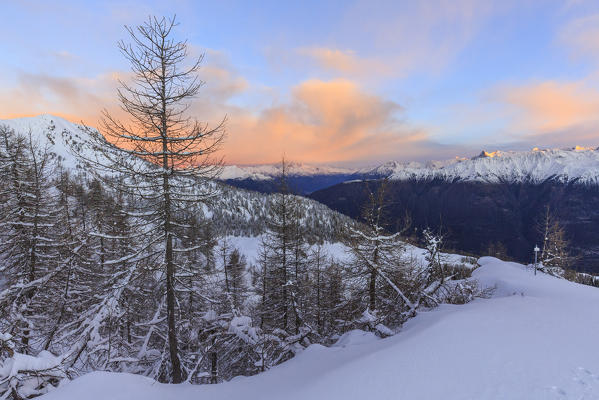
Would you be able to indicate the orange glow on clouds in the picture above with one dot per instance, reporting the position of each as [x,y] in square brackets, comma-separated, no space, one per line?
[75,99]
[345,62]
[552,106]
[325,121]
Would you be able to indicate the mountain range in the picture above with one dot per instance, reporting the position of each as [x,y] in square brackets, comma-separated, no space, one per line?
[492,198]
[569,165]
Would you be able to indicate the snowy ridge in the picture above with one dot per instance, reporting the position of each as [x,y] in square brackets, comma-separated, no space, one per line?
[532,340]
[46,129]
[576,164]
[236,172]
[391,167]
[271,171]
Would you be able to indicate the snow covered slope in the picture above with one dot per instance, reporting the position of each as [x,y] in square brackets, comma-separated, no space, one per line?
[340,252]
[535,338]
[46,129]
[564,165]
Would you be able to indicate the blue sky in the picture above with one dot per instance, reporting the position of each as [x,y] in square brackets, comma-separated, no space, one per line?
[332,82]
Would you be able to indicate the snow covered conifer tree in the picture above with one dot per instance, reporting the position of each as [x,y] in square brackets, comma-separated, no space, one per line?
[371,247]
[324,293]
[276,255]
[284,252]
[299,283]
[234,275]
[28,252]
[71,242]
[379,263]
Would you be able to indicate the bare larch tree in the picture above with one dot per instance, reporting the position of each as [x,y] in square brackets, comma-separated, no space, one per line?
[161,153]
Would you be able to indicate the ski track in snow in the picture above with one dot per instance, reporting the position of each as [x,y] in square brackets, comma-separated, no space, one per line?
[535,338]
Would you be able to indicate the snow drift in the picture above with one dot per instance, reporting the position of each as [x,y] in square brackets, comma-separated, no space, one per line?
[534,338]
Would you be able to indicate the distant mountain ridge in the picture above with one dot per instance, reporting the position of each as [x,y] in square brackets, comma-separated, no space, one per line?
[272,171]
[301,178]
[577,164]
[569,165]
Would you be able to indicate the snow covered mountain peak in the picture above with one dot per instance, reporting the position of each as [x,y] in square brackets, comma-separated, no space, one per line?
[576,164]
[492,154]
[39,123]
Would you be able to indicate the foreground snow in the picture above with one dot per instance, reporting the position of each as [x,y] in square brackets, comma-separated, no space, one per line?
[535,338]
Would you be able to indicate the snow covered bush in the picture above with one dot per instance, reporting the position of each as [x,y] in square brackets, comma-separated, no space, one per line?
[23,376]
[388,286]
[461,292]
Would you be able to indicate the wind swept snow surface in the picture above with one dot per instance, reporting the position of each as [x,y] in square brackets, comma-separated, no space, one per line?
[535,338]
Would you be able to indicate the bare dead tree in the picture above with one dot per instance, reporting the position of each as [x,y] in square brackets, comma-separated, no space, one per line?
[163,156]
[554,252]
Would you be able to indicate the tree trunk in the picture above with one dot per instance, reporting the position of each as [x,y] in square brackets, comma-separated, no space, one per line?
[284,263]
[372,291]
[170,310]
[318,311]
[177,376]
[372,283]
[213,367]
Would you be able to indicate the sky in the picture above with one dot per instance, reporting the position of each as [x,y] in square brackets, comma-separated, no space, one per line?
[331,82]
